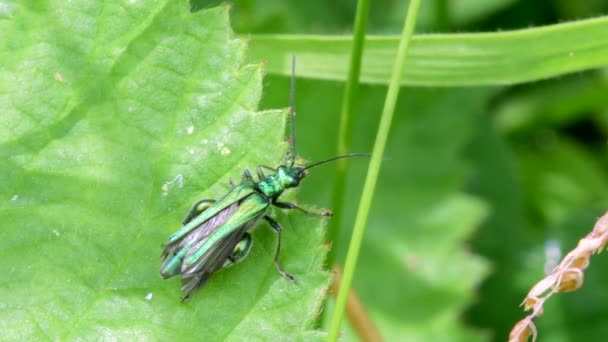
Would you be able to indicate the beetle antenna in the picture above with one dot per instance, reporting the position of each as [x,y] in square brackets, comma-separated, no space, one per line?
[292,109]
[335,158]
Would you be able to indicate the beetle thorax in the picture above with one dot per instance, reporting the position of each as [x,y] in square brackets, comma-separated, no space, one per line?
[284,178]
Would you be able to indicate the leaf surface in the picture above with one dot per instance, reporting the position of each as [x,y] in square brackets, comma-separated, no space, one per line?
[116,117]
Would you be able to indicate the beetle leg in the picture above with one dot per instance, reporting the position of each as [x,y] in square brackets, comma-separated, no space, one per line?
[240,250]
[260,171]
[193,284]
[277,228]
[287,205]
[246,175]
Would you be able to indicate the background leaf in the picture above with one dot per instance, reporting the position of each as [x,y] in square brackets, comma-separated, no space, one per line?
[413,275]
[500,131]
[116,118]
[447,59]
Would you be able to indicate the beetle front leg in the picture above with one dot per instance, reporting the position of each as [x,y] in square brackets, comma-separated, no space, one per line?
[287,205]
[246,176]
[277,228]
[260,171]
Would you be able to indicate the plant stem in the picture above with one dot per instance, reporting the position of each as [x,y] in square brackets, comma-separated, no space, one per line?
[373,169]
[356,313]
[345,132]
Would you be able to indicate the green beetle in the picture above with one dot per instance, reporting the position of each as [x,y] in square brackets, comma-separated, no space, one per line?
[215,234]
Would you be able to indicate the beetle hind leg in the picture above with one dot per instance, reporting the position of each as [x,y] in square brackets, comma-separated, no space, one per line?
[193,283]
[198,208]
[240,251]
[277,228]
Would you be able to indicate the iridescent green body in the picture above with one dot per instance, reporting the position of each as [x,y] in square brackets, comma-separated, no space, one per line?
[215,234]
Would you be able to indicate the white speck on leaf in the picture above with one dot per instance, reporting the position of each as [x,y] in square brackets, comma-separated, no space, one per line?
[205,99]
[180,183]
[223,149]
[59,77]
[6,9]
[190,129]
[56,232]
[15,197]
[202,100]
[149,296]
[191,151]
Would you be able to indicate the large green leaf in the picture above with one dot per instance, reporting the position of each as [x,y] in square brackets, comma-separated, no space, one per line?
[502,237]
[114,119]
[414,270]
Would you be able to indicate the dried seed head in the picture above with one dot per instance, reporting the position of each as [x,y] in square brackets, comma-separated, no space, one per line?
[582,261]
[521,331]
[587,245]
[529,303]
[566,277]
[543,287]
[571,280]
[602,244]
[601,226]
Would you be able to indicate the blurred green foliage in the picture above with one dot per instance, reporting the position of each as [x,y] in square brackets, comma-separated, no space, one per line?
[533,156]
[479,189]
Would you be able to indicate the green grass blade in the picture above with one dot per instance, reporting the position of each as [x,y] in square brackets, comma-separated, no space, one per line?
[373,170]
[345,131]
[463,59]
